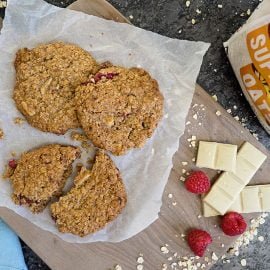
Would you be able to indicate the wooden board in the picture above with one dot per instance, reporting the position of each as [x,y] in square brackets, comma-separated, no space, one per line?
[173,220]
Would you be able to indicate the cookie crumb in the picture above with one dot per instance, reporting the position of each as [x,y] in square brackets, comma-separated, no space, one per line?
[117,267]
[188,123]
[193,21]
[229,111]
[170,196]
[76,136]
[248,12]
[1,134]
[131,17]
[220,6]
[184,163]
[218,113]
[195,116]
[18,120]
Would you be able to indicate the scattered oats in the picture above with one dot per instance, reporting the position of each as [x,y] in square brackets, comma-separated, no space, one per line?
[236,253]
[248,12]
[199,216]
[187,3]
[166,116]
[3,4]
[262,221]
[218,113]
[242,14]
[188,123]
[184,163]
[200,124]
[180,31]
[229,111]
[117,267]
[255,135]
[182,178]
[265,215]
[235,107]
[173,265]
[139,267]
[215,70]
[219,6]
[203,266]
[184,171]
[131,17]
[140,260]
[170,259]
[261,238]
[193,144]
[198,264]
[170,195]
[164,266]
[242,131]
[222,245]
[195,116]
[198,11]
[175,254]
[243,262]
[206,259]
[174,203]
[223,256]
[194,159]
[195,105]
[193,21]
[214,256]
[166,245]
[236,118]
[153,151]
[215,97]
[164,250]
[183,235]
[193,138]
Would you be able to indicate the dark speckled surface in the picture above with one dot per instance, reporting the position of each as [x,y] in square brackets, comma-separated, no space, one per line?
[215,25]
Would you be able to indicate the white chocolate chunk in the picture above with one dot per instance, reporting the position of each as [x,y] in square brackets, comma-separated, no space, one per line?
[227,188]
[217,156]
[251,199]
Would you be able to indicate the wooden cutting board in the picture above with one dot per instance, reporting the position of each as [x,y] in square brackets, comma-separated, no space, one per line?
[178,214]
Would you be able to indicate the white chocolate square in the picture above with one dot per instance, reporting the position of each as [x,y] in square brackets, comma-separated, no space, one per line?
[228,186]
[217,156]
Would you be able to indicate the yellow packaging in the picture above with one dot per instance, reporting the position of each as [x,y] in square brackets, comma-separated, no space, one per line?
[249,53]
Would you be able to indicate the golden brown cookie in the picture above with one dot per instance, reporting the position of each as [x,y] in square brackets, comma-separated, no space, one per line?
[41,174]
[119,108]
[97,198]
[46,78]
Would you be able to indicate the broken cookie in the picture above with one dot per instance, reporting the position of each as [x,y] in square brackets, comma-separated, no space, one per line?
[97,198]
[41,174]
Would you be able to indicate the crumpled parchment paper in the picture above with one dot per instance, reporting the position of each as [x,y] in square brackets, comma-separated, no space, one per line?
[174,63]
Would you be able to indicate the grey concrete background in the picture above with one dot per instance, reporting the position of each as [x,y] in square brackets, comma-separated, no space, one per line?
[172,18]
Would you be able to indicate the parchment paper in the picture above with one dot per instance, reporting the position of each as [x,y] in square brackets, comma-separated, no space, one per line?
[174,63]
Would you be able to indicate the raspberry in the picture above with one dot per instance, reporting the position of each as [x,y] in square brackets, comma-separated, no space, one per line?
[198,182]
[108,75]
[198,240]
[233,224]
[12,164]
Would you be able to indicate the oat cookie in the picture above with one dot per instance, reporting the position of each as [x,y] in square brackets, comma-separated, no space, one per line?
[46,78]
[41,174]
[97,198]
[119,108]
